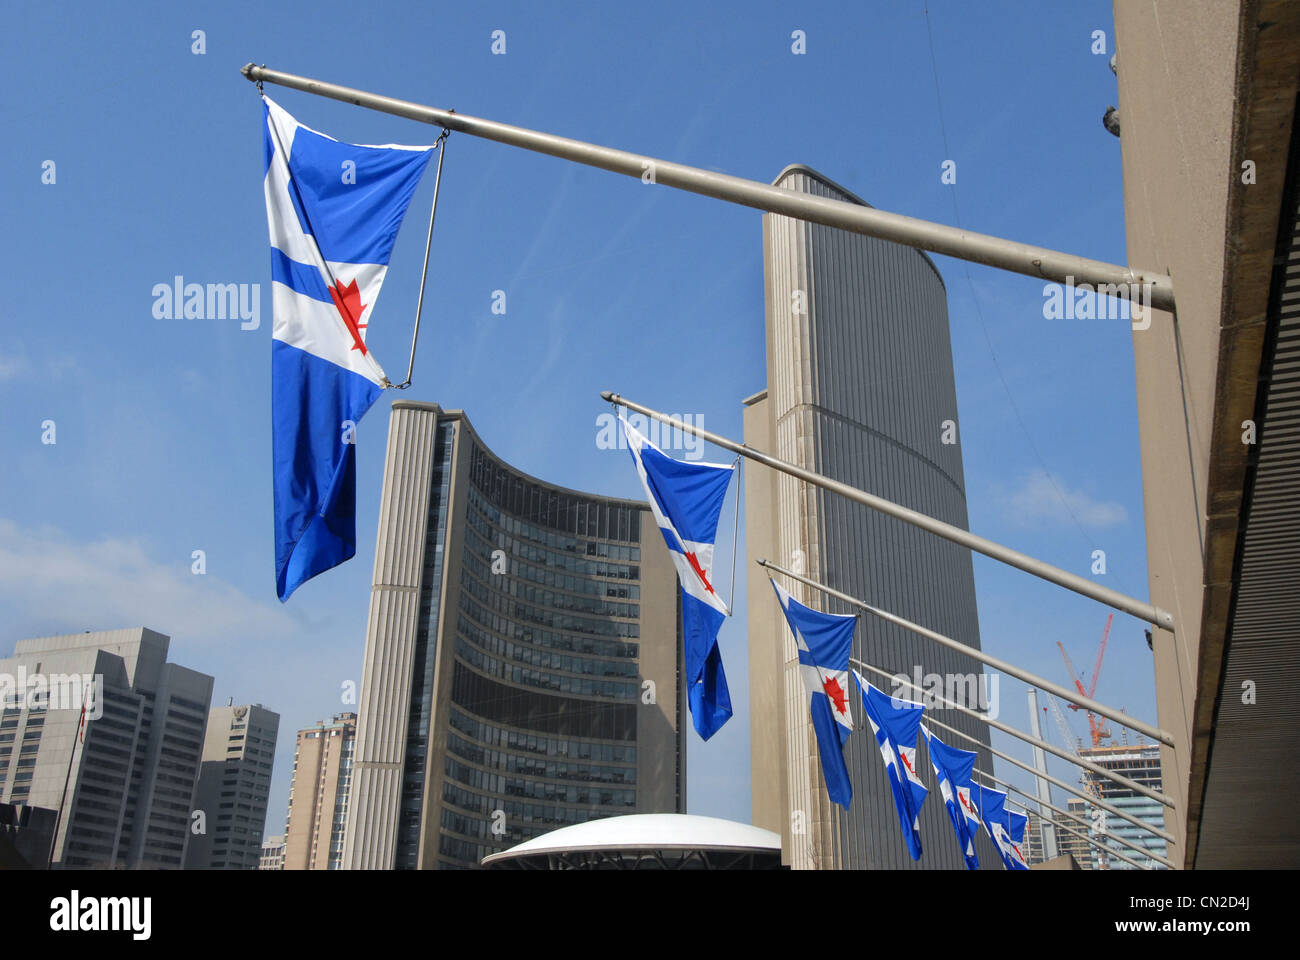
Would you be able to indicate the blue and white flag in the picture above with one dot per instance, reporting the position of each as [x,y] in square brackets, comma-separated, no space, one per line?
[1016,840]
[953,769]
[686,499]
[996,820]
[334,210]
[824,641]
[895,722]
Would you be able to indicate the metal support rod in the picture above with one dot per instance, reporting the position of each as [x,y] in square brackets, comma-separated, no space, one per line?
[1040,763]
[1108,807]
[1056,824]
[1040,262]
[428,243]
[735,532]
[1063,578]
[1019,735]
[1109,851]
[1124,840]
[998,664]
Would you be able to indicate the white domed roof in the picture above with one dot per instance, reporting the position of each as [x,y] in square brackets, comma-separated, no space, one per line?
[648,831]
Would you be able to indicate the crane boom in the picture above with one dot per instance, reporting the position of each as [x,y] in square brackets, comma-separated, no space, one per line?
[1101,652]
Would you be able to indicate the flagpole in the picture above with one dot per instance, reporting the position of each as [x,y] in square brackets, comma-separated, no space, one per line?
[1129,843]
[1045,571]
[1019,735]
[996,663]
[1111,851]
[1039,262]
[1110,808]
[1064,786]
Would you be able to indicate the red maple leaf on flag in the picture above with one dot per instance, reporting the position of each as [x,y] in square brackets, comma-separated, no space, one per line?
[695,565]
[836,693]
[348,301]
[902,756]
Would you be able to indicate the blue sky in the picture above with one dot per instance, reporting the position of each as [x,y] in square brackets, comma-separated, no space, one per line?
[163,427]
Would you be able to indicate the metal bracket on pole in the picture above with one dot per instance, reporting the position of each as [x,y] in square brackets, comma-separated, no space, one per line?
[1155,288]
[1063,578]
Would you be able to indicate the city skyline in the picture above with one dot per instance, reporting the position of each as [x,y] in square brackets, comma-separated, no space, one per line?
[598,275]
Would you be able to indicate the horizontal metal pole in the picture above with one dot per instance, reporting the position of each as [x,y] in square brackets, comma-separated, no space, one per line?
[1021,735]
[1075,791]
[1022,258]
[1110,851]
[1114,836]
[1045,571]
[998,664]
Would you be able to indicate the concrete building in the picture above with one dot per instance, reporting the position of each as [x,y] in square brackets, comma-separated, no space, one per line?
[319,795]
[522,667]
[1084,853]
[1034,852]
[272,857]
[25,835]
[1207,103]
[859,388]
[132,784]
[234,786]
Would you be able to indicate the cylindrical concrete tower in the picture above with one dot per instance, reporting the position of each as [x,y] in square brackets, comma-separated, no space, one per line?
[860,388]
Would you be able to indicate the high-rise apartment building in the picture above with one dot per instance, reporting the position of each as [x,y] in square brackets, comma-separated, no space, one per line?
[1138,763]
[522,667]
[130,792]
[1034,839]
[319,795]
[1083,852]
[272,857]
[234,786]
[860,388]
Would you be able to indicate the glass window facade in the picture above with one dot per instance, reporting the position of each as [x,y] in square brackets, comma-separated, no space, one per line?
[541,636]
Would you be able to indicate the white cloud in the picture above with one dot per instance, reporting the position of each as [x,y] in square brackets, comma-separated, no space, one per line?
[1045,498]
[12,365]
[114,583]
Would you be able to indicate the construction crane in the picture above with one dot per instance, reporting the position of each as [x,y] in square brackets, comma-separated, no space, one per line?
[1068,738]
[1071,743]
[1096,726]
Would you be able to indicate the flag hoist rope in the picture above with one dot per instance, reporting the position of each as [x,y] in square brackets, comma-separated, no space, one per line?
[1108,807]
[428,243]
[1040,262]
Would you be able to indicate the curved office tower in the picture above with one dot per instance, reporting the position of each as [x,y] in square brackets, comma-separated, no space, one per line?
[859,385]
[513,628]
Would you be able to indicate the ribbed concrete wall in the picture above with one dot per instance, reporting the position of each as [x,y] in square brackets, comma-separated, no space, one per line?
[391,633]
[860,382]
